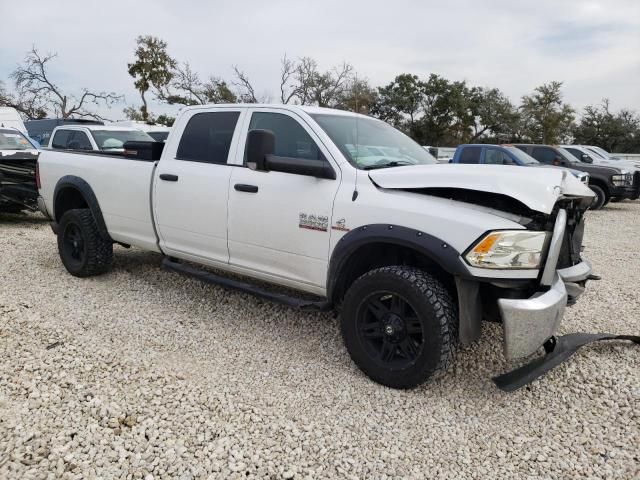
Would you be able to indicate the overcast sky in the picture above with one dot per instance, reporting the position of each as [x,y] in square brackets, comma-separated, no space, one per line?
[593,46]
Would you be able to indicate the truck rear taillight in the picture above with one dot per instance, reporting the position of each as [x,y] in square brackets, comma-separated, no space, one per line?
[38,176]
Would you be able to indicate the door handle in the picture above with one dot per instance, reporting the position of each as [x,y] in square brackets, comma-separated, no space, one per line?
[242,187]
[169,177]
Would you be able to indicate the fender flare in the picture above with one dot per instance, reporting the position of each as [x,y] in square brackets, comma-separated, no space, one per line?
[79,184]
[437,250]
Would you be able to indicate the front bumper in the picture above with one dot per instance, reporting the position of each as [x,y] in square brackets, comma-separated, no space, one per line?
[629,191]
[529,322]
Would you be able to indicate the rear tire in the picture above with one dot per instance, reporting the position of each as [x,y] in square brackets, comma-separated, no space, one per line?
[399,325]
[601,197]
[83,251]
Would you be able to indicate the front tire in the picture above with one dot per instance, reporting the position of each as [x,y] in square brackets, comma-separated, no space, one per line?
[601,197]
[83,251]
[399,325]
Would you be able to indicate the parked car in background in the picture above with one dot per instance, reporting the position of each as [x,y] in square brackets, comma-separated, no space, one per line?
[18,190]
[600,153]
[10,118]
[441,154]
[98,138]
[606,181]
[158,132]
[40,130]
[504,155]
[340,206]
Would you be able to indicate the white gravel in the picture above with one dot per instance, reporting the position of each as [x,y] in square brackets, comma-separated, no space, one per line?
[159,376]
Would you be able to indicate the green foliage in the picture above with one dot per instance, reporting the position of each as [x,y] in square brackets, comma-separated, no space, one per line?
[619,132]
[153,67]
[546,119]
[165,120]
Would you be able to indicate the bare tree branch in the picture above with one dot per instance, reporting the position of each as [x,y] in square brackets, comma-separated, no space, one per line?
[287,92]
[247,93]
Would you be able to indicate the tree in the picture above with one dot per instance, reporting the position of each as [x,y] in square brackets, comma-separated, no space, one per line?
[186,88]
[153,67]
[247,93]
[399,102]
[357,96]
[37,93]
[548,119]
[29,108]
[165,120]
[612,131]
[493,114]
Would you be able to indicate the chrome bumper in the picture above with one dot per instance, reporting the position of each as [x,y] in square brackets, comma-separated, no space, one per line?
[528,323]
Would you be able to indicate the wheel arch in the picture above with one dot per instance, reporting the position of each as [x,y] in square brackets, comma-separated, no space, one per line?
[378,245]
[74,192]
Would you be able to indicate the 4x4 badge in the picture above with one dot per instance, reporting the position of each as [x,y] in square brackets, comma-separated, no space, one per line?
[341,225]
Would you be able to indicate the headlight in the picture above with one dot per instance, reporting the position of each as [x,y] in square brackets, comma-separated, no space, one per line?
[624,178]
[508,249]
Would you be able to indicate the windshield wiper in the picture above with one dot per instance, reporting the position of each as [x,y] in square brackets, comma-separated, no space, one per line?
[393,163]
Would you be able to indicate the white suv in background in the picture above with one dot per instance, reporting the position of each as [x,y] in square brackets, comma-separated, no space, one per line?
[98,138]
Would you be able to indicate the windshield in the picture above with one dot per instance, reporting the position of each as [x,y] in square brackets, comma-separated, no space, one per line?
[115,139]
[521,156]
[369,143]
[14,140]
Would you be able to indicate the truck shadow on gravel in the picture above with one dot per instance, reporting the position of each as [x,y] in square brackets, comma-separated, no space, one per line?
[312,337]
[22,219]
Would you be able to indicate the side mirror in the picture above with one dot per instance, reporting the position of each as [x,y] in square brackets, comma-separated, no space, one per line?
[260,143]
[301,166]
[586,158]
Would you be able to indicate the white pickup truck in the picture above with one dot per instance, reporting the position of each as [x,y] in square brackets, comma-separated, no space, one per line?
[344,209]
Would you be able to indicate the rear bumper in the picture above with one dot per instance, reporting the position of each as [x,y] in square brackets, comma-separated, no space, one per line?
[530,322]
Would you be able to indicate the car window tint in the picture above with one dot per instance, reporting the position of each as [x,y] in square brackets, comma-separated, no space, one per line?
[544,155]
[79,141]
[470,155]
[291,139]
[207,137]
[60,139]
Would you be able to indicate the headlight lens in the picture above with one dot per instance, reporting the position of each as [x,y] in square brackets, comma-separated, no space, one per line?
[622,179]
[508,249]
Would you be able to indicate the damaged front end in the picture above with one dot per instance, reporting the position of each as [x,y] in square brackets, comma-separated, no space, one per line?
[18,189]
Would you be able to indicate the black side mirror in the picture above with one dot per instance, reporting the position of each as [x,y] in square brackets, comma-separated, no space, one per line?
[301,166]
[586,158]
[260,143]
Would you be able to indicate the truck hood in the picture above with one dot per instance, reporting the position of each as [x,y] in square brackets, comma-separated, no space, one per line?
[538,189]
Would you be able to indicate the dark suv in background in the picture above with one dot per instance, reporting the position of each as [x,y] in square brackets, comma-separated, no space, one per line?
[607,182]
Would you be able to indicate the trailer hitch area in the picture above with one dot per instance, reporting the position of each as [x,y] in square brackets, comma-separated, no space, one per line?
[558,349]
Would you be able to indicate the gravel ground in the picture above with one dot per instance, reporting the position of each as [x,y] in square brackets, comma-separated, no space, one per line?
[142,373]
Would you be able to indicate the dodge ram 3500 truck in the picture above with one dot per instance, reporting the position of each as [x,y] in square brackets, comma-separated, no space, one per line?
[342,207]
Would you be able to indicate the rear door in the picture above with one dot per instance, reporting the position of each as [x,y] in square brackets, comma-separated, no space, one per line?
[192,185]
[280,223]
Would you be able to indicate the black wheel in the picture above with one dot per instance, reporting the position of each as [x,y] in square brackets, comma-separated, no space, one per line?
[82,250]
[601,197]
[399,325]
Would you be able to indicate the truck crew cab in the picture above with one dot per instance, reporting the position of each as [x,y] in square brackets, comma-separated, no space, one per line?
[342,207]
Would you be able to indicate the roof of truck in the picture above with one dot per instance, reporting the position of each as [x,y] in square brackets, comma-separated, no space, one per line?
[293,108]
[117,128]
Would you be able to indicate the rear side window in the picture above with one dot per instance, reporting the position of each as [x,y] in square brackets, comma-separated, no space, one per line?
[292,140]
[207,137]
[470,155]
[544,155]
[60,139]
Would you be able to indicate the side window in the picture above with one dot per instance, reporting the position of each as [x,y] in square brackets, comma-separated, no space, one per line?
[207,137]
[575,153]
[470,155]
[79,141]
[497,157]
[544,155]
[291,139]
[60,139]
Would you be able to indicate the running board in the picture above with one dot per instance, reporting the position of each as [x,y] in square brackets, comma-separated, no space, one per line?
[231,284]
[558,350]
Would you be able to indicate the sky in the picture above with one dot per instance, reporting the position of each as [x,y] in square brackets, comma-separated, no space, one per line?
[592,46]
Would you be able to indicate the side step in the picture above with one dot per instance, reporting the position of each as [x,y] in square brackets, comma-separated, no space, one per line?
[231,284]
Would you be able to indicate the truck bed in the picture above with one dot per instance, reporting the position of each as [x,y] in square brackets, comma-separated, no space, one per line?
[122,186]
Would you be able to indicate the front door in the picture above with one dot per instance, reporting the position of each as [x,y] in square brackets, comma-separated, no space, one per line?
[280,223]
[192,186]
